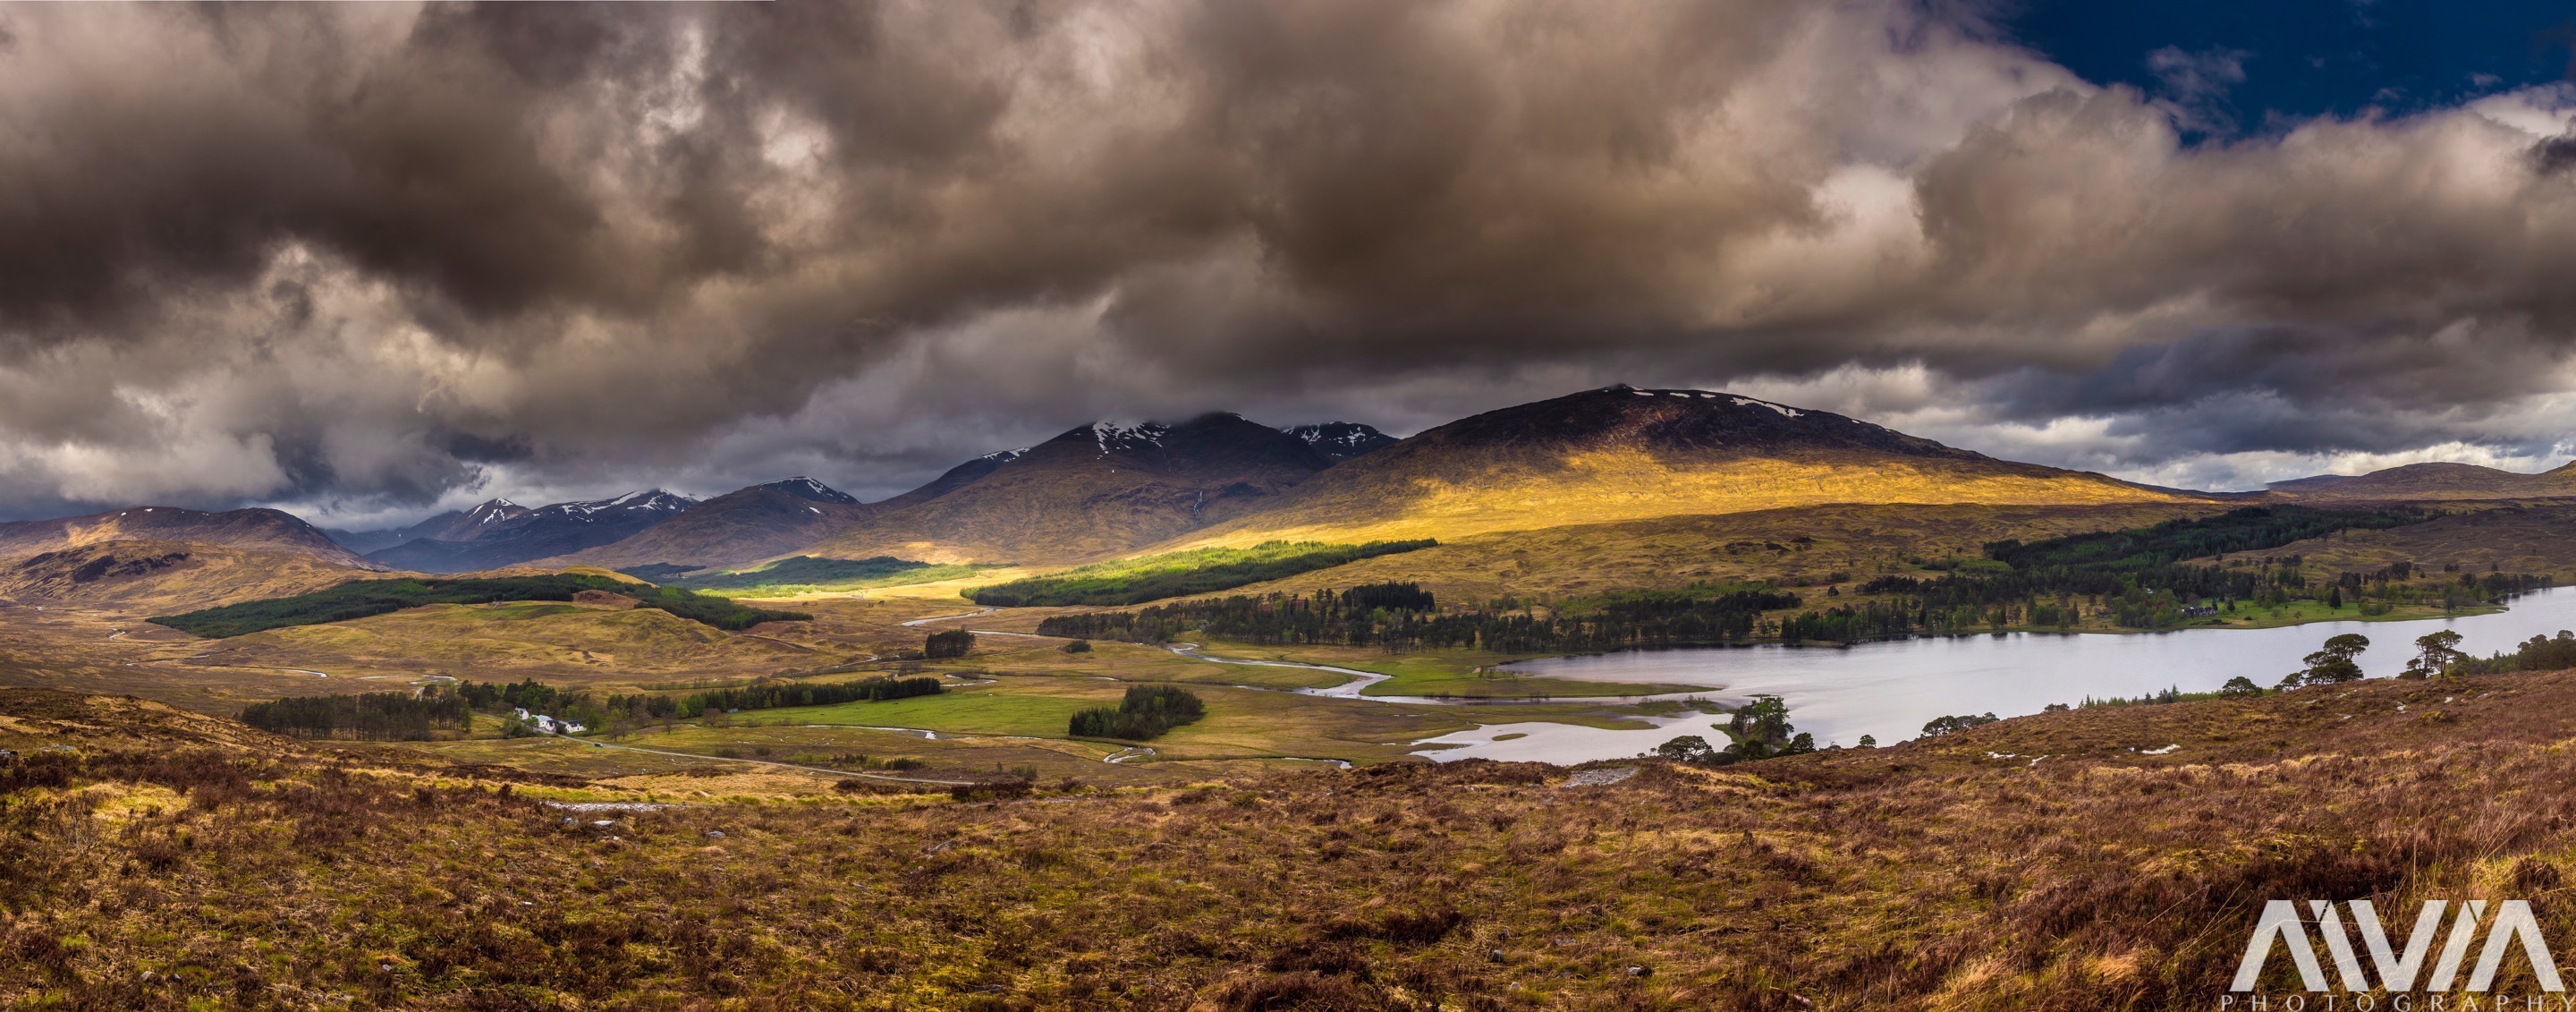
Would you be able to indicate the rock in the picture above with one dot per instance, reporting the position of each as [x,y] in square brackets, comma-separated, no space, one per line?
[1495,956]
[716,834]
[1601,777]
[1639,971]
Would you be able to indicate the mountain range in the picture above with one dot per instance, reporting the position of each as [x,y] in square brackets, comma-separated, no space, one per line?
[501,533]
[1105,490]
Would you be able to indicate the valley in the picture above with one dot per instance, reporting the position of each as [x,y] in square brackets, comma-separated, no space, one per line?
[1356,623]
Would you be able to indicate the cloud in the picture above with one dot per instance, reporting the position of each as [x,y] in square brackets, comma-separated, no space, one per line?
[371,259]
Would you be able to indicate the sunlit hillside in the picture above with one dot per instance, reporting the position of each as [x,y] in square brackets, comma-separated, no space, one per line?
[1623,454]
[248,529]
[563,642]
[153,577]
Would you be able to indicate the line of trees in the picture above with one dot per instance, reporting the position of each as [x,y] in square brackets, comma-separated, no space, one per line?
[594,711]
[773,695]
[371,716]
[2128,592]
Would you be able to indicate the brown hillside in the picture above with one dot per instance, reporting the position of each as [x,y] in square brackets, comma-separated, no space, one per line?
[166,577]
[2513,538]
[1624,454]
[1094,491]
[249,529]
[2432,481]
[2039,863]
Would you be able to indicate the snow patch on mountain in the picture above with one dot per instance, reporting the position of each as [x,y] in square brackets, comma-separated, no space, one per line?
[1112,436]
[646,501]
[814,491]
[1784,412]
[1340,440]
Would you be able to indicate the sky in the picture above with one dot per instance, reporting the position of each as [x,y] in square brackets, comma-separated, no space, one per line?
[368,261]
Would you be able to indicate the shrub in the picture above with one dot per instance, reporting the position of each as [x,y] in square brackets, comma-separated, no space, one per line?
[1939,726]
[1147,712]
[953,643]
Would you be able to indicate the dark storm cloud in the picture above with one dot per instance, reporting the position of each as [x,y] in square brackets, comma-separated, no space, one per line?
[370,256]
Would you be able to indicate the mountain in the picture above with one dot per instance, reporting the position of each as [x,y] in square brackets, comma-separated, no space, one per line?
[2432,481]
[249,529]
[742,526]
[453,525]
[953,479]
[1340,441]
[502,540]
[1621,453]
[1096,490]
[811,491]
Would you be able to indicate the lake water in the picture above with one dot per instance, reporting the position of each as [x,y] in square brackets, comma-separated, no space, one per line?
[1891,689]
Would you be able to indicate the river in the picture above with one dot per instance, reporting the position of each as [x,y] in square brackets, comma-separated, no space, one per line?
[1890,689]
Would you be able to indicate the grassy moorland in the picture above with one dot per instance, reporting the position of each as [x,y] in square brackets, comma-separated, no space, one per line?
[162,860]
[1604,485]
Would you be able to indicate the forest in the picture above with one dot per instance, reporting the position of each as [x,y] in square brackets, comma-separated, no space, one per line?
[358,599]
[775,694]
[1403,616]
[538,697]
[2137,579]
[1176,574]
[373,716]
[2250,529]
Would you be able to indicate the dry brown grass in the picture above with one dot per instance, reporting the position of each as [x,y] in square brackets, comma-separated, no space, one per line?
[1925,876]
[152,577]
